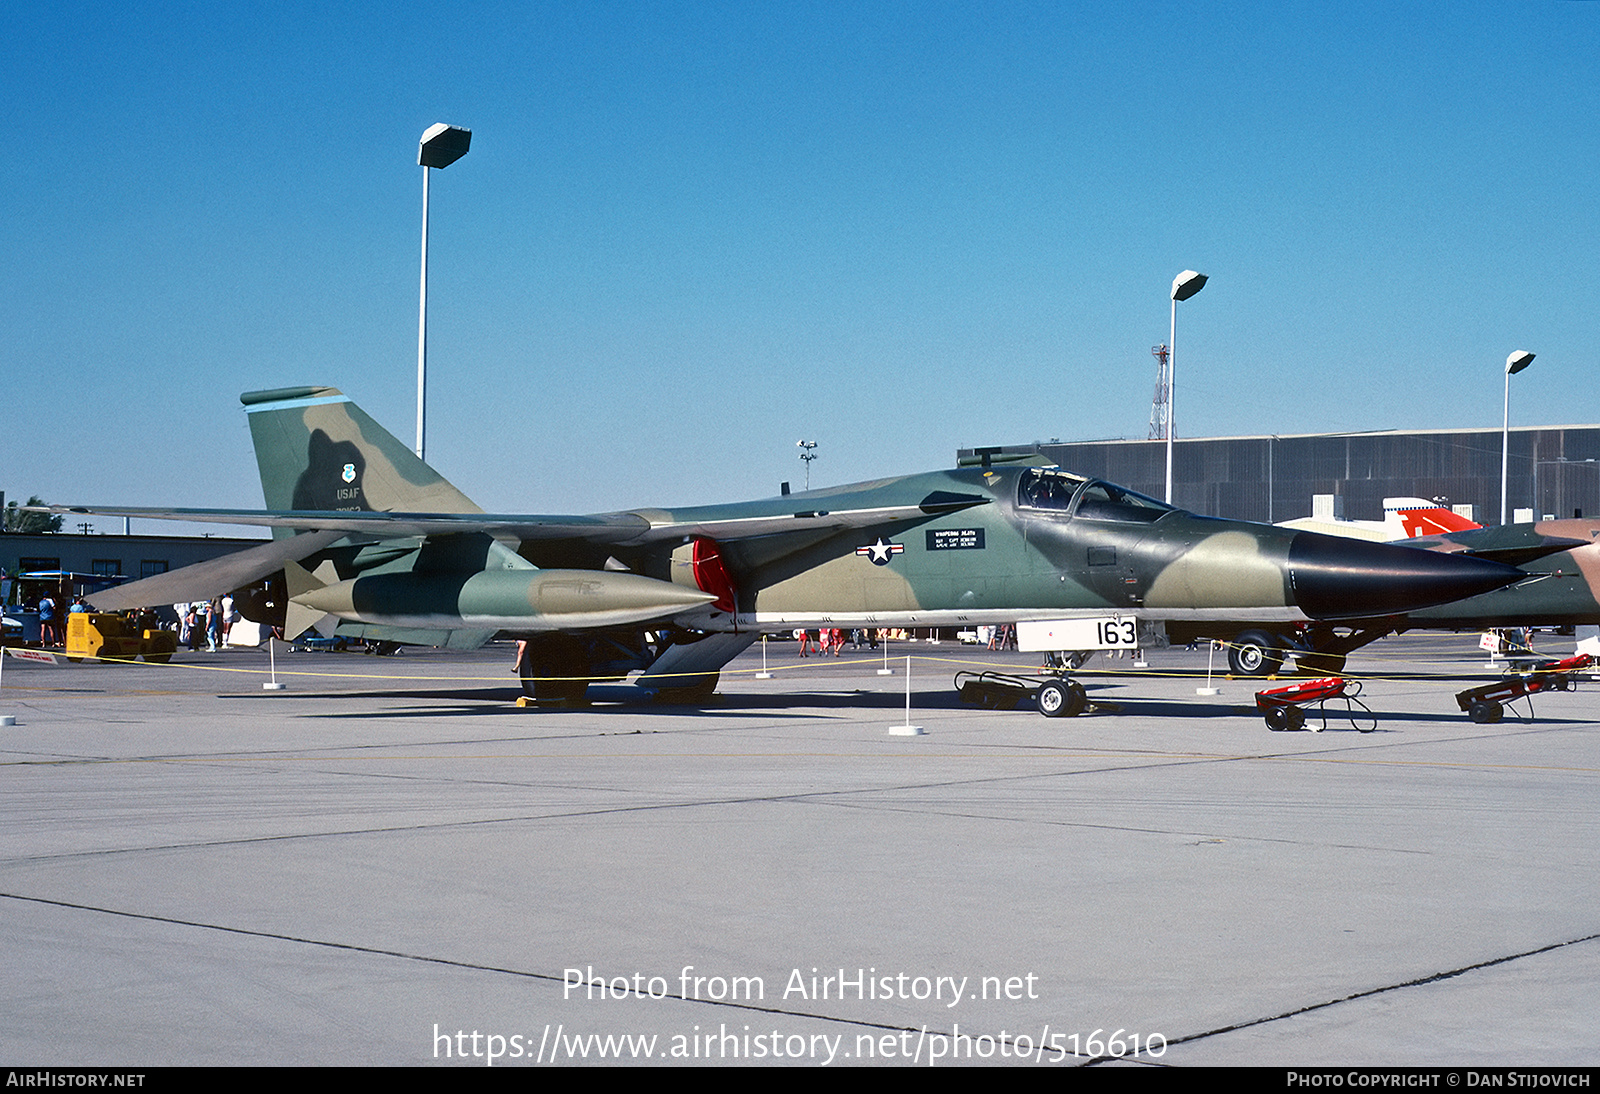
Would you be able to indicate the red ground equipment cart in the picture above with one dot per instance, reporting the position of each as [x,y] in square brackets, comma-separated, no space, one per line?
[1487,704]
[1284,708]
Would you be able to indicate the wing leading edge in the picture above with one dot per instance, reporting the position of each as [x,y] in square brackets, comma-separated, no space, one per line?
[626,529]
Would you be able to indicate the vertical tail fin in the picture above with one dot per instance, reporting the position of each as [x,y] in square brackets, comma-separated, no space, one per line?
[317,450]
[1405,518]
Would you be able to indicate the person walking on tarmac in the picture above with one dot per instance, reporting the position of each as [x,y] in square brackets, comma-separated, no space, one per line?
[47,621]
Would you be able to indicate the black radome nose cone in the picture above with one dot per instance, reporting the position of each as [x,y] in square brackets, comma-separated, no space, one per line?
[1337,578]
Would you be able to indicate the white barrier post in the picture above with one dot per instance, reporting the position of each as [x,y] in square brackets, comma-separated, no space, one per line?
[1211,652]
[272,658]
[5,719]
[907,730]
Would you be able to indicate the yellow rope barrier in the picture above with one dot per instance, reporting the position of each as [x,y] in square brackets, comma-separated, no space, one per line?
[819,663]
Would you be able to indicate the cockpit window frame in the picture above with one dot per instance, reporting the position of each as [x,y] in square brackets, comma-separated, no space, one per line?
[1116,509]
[1041,490]
[1048,490]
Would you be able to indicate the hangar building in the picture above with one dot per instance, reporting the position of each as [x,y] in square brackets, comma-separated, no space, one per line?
[130,556]
[1554,471]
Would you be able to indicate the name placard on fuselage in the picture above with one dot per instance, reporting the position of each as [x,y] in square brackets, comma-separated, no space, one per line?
[955,539]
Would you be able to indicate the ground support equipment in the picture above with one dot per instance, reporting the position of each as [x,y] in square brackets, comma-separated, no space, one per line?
[1054,696]
[1486,704]
[1284,708]
[110,637]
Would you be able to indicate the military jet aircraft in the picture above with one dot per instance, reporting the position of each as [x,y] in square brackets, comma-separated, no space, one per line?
[376,544]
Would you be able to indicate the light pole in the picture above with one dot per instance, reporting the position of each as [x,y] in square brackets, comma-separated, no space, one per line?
[807,454]
[1184,286]
[1515,363]
[441,146]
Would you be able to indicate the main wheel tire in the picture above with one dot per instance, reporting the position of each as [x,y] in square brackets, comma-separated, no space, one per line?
[548,676]
[1255,653]
[554,690]
[1061,699]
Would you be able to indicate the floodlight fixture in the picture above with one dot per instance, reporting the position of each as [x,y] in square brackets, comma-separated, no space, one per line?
[441,145]
[1515,363]
[1184,286]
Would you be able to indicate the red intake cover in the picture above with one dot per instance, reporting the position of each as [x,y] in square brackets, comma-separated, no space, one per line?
[710,575]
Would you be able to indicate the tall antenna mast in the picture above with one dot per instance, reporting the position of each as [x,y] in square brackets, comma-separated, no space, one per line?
[1159,422]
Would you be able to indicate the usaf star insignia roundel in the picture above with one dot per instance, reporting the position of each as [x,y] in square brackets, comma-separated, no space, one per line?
[881,551]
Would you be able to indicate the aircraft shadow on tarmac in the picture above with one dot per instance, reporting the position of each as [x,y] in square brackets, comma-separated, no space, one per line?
[612,701]
[626,700]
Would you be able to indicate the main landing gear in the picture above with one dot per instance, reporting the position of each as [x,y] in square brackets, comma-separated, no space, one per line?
[554,669]
[1317,651]
[1256,653]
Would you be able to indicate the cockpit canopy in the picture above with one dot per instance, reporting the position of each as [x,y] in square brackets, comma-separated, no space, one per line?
[1086,499]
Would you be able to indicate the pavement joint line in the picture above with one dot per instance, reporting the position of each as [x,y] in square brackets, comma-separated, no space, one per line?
[833,797]
[378,951]
[829,797]
[1420,981]
[1204,837]
[1041,752]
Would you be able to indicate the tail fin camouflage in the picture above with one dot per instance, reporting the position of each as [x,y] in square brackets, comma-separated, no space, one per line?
[317,450]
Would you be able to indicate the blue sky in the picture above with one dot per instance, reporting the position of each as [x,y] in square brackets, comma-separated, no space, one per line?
[689,234]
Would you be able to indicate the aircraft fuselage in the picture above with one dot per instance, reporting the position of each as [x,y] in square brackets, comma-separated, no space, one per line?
[1027,543]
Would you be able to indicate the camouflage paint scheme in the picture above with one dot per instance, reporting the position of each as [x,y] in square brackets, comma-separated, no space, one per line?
[1562,559]
[680,592]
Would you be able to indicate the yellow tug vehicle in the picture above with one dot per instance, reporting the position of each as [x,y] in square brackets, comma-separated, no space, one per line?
[106,636]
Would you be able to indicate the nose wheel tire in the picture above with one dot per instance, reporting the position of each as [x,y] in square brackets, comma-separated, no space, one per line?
[1061,699]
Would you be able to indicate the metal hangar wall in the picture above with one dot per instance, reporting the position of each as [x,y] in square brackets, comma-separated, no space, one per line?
[1554,470]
